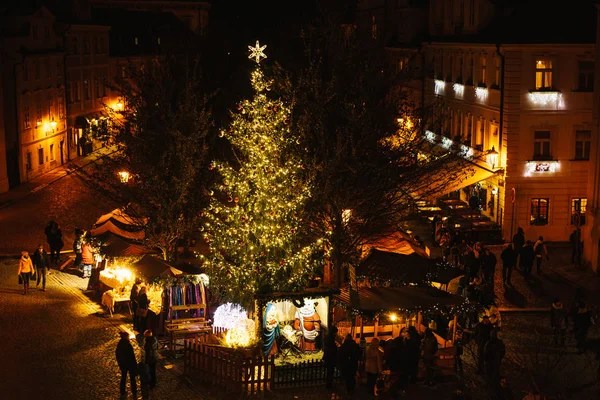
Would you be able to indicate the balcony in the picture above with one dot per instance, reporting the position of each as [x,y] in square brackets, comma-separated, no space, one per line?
[471,154]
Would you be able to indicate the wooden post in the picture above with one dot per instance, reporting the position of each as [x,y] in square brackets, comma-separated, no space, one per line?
[454,329]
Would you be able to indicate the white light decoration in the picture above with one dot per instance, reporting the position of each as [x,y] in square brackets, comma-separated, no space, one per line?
[446,142]
[459,90]
[228,315]
[257,53]
[466,151]
[430,136]
[346,215]
[440,86]
[243,334]
[204,279]
[547,99]
[481,93]
[541,167]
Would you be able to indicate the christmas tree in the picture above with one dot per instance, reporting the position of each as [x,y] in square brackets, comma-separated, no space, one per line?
[254,218]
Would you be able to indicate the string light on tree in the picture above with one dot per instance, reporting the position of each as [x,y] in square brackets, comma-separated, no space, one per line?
[254,218]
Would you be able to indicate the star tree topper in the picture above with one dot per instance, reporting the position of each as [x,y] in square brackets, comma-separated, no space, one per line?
[257,53]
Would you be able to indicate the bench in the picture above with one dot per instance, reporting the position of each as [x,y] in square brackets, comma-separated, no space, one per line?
[183,327]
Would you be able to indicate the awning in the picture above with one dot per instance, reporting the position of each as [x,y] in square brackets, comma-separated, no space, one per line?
[117,247]
[455,176]
[151,267]
[405,298]
[394,242]
[394,267]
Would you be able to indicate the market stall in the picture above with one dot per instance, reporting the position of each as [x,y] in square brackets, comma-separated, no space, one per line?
[119,223]
[382,268]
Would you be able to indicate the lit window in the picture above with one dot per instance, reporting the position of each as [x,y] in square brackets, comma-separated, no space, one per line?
[541,145]
[586,76]
[483,77]
[543,74]
[136,41]
[578,210]
[582,145]
[539,211]
[158,41]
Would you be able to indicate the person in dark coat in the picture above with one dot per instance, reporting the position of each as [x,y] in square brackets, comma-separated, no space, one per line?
[582,321]
[41,262]
[150,346]
[54,238]
[143,303]
[127,364]
[509,261]
[576,246]
[330,356]
[349,355]
[527,258]
[518,242]
[135,290]
[430,349]
[494,352]
[482,335]
[559,321]
[489,262]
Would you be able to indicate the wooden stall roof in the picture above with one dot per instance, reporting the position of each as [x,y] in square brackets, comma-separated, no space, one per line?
[411,268]
[376,299]
[117,247]
[151,267]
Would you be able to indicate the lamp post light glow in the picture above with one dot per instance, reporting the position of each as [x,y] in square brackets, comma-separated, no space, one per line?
[492,157]
[124,176]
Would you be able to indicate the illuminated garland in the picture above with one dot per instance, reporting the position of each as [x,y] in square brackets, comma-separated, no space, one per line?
[448,312]
[253,235]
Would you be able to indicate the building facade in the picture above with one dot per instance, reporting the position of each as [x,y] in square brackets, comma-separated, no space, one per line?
[33,82]
[519,99]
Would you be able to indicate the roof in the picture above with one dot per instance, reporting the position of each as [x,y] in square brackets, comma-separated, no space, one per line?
[535,22]
[151,267]
[117,247]
[306,293]
[411,268]
[405,298]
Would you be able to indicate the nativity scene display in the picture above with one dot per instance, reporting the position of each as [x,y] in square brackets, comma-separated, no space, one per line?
[294,327]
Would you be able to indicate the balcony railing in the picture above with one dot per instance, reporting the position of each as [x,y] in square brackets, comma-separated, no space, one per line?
[467,152]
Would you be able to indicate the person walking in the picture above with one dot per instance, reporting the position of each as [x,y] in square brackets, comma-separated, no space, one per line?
[581,324]
[349,354]
[150,346]
[559,321]
[430,348]
[483,329]
[127,364]
[576,246]
[55,241]
[373,364]
[527,258]
[330,356]
[77,245]
[540,252]
[142,310]
[509,260]
[495,350]
[135,290]
[489,266]
[87,255]
[518,242]
[41,263]
[26,270]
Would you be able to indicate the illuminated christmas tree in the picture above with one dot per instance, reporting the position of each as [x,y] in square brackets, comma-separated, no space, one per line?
[254,218]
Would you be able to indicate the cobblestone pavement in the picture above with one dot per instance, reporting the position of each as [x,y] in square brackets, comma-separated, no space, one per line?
[56,345]
[68,201]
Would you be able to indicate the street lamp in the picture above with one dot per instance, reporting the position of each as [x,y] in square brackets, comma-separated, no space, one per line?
[124,176]
[492,157]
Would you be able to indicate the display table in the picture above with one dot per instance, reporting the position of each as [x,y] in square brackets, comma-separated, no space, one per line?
[111,298]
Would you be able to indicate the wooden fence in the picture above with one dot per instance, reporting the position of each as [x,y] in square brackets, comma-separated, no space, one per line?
[231,371]
[307,373]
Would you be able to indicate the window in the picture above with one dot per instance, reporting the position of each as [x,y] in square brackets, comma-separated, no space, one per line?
[123,72]
[136,41]
[469,129]
[47,67]
[36,67]
[158,40]
[470,70]
[86,45]
[459,77]
[373,28]
[74,45]
[46,33]
[58,68]
[86,90]
[25,71]
[75,91]
[101,45]
[543,74]
[498,63]
[96,46]
[52,152]
[39,111]
[541,145]
[61,106]
[450,77]
[582,145]
[578,210]
[41,156]
[26,116]
[586,76]
[472,15]
[480,135]
[35,32]
[483,77]
[28,161]
[433,66]
[539,211]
